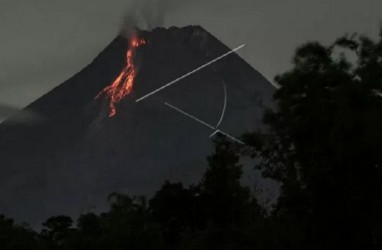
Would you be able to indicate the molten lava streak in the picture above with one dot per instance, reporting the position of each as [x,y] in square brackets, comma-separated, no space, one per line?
[123,84]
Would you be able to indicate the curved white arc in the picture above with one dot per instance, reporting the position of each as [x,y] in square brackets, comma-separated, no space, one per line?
[224,105]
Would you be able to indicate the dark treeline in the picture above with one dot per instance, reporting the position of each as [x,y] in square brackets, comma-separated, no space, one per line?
[323,144]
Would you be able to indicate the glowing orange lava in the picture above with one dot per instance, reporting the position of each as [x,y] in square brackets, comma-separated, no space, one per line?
[123,84]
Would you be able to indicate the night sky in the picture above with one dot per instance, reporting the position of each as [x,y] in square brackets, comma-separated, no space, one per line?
[44,42]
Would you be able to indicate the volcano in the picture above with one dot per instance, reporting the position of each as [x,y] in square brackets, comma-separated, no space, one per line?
[70,162]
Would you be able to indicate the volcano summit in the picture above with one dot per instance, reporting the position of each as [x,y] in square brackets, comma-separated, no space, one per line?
[83,150]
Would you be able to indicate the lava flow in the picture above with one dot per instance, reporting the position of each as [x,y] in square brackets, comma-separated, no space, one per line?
[123,84]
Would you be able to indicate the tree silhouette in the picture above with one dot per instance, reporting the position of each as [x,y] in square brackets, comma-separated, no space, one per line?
[16,237]
[90,234]
[224,196]
[230,211]
[324,145]
[127,224]
[173,207]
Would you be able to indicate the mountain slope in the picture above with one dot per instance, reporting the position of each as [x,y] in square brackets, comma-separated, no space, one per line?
[79,155]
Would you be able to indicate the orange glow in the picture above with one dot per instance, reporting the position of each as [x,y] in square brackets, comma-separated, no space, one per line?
[123,84]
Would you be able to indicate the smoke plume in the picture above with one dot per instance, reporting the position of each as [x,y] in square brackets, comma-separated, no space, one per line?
[149,14]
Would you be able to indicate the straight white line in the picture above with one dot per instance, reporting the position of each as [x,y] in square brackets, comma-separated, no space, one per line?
[189,73]
[204,123]
[231,137]
[191,116]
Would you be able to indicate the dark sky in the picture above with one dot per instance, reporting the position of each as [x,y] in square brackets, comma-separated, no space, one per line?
[44,42]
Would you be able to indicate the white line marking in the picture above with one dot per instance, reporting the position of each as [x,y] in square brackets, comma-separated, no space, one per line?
[189,73]
[224,106]
[214,133]
[204,123]
[191,116]
[231,137]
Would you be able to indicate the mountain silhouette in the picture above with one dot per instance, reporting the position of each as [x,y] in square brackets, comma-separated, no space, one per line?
[70,162]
